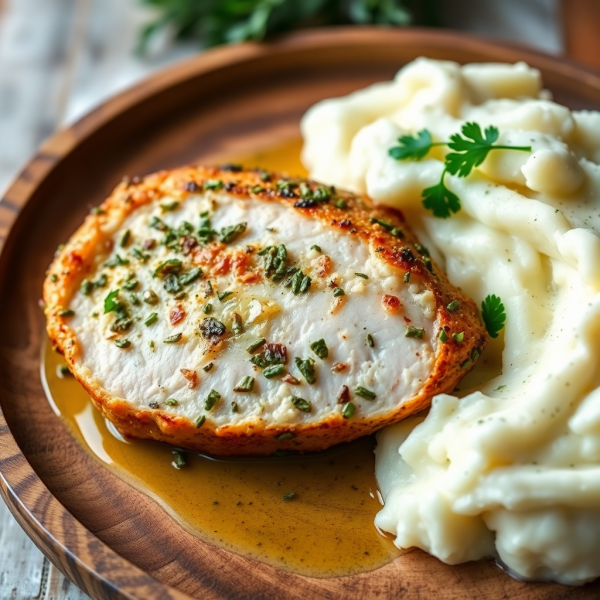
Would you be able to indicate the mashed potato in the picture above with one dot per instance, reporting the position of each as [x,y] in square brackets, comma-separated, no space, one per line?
[512,469]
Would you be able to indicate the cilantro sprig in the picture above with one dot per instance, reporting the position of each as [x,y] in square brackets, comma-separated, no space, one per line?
[493,314]
[469,149]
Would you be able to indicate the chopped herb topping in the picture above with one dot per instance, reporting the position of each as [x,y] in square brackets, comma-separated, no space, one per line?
[150,297]
[156,223]
[289,496]
[173,339]
[54,277]
[307,368]
[212,398]
[101,281]
[301,404]
[341,203]
[365,393]
[320,349]
[200,421]
[213,184]
[224,295]
[406,277]
[454,305]
[245,385]
[207,309]
[459,337]
[254,346]
[190,276]
[169,206]
[208,367]
[338,291]
[414,332]
[475,354]
[443,337]
[131,284]
[122,343]
[286,435]
[125,238]
[427,262]
[348,410]
[231,233]
[96,210]
[171,402]
[237,325]
[110,302]
[500,388]
[362,275]
[117,261]
[205,233]
[234,407]
[493,314]
[179,461]
[152,318]
[173,265]
[317,248]
[300,283]
[273,371]
[211,328]
[87,287]
[370,340]
[257,189]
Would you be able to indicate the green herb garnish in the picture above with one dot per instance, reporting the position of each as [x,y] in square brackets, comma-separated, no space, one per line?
[453,305]
[286,435]
[414,332]
[173,339]
[348,410]
[110,302]
[443,337]
[213,184]
[365,393]
[122,343]
[231,233]
[254,346]
[301,404]
[307,368]
[207,309]
[173,265]
[171,402]
[152,318]
[493,314]
[320,348]
[208,367]
[289,496]
[370,340]
[245,385]
[362,275]
[212,398]
[317,248]
[200,421]
[273,371]
[169,206]
[338,291]
[470,149]
[224,295]
[125,238]
[179,461]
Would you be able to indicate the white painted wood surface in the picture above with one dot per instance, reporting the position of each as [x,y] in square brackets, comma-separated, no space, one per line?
[59,58]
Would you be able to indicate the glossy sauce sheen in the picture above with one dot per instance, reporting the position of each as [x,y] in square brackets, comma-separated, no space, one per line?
[325,529]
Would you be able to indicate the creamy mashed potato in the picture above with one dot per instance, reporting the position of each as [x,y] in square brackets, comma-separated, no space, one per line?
[512,469]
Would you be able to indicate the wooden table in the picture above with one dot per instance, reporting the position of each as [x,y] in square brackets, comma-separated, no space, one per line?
[58,58]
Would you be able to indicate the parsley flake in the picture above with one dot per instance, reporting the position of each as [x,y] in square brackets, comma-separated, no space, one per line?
[493,314]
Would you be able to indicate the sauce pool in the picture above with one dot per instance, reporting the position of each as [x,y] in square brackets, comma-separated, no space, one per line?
[310,514]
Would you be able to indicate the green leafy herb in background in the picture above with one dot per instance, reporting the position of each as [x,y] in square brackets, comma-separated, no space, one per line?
[215,22]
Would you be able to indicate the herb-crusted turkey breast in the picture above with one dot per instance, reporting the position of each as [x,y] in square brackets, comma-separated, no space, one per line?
[242,312]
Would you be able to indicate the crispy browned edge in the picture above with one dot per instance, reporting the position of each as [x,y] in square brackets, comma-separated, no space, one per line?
[76,259]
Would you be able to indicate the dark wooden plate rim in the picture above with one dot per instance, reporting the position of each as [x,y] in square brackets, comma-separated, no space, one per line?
[80,555]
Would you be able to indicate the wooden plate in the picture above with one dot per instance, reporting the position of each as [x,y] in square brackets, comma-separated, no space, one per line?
[110,539]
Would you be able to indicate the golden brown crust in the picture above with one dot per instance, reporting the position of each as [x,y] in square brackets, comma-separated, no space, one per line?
[400,249]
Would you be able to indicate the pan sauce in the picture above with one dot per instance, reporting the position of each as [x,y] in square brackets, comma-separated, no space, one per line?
[326,529]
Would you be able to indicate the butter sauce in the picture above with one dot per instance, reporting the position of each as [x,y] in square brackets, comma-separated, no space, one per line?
[325,529]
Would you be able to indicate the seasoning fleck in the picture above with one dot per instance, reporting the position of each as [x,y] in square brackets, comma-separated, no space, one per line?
[152,318]
[365,393]
[289,496]
[122,343]
[173,339]
[320,349]
[459,337]
[254,346]
[245,385]
[414,332]
[301,404]
[348,410]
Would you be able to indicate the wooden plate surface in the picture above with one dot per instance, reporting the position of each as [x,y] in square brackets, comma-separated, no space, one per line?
[112,540]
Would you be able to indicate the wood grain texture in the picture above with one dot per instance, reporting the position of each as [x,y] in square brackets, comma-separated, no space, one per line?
[113,541]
